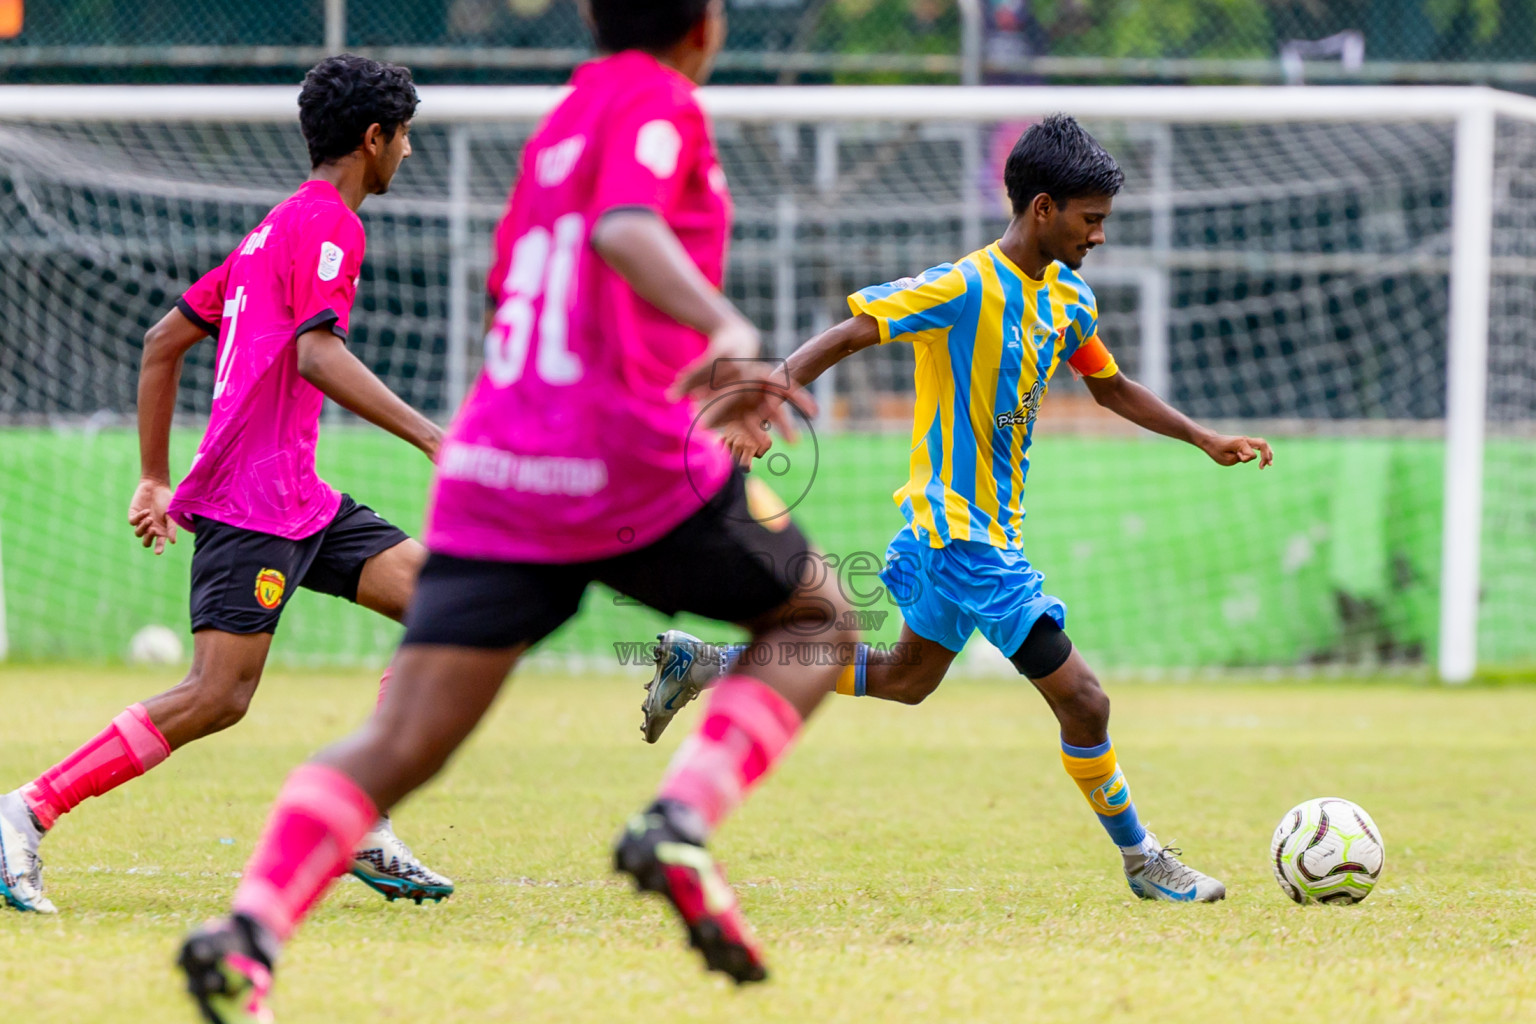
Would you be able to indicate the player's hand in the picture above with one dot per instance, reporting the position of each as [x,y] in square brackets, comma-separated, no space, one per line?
[736,386]
[1229,451]
[743,446]
[147,514]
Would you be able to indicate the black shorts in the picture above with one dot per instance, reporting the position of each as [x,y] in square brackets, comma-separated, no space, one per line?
[242,579]
[720,563]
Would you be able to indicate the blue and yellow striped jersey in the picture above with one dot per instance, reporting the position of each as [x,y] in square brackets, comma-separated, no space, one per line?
[987,339]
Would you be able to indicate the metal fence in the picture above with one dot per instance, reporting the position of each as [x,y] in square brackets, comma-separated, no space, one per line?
[794,40]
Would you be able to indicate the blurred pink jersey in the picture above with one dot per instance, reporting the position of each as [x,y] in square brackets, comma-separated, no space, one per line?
[296,272]
[568,449]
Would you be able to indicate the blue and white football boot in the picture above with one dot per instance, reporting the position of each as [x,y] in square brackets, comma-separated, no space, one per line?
[685,665]
[21,870]
[1160,875]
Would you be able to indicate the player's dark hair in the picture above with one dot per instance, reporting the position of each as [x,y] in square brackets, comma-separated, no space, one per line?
[343,95]
[649,25]
[1060,159]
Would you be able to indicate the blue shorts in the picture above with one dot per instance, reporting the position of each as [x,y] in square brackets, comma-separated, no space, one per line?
[945,594]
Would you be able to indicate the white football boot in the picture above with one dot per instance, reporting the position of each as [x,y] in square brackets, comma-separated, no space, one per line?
[387,866]
[1162,876]
[21,870]
[685,665]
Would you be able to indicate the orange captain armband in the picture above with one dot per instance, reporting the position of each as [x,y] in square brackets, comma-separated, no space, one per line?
[1092,359]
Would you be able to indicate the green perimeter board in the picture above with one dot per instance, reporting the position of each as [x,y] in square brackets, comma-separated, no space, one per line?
[1164,559]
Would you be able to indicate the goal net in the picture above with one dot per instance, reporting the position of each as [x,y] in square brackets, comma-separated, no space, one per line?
[1351,273]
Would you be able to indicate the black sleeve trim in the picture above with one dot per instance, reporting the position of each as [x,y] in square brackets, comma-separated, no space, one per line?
[191,314]
[631,208]
[321,319]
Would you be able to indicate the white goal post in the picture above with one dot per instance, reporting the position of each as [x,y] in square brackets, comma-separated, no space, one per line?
[1474,112]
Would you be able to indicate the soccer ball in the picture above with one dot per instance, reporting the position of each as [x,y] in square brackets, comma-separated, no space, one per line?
[155,645]
[1327,850]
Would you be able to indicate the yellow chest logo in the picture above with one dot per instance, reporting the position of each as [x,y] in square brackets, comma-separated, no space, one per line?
[270,585]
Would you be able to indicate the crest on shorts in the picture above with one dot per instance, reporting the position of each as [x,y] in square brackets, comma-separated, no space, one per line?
[270,585]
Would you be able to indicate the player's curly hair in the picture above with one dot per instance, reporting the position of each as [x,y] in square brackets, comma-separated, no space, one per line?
[1059,158]
[343,95]
[648,25]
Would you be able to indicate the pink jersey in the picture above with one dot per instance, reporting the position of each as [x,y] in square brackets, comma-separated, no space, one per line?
[296,272]
[568,449]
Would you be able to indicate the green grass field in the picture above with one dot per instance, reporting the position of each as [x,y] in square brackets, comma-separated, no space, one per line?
[908,864]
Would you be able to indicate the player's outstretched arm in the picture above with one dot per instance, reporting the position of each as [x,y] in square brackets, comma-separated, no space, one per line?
[165,347]
[832,346]
[1129,400]
[325,362]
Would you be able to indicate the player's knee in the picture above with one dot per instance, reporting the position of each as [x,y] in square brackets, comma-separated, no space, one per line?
[224,707]
[914,691]
[218,701]
[913,683]
[1085,702]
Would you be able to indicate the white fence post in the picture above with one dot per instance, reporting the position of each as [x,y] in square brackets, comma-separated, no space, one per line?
[335,26]
[1157,288]
[1466,390]
[461,332]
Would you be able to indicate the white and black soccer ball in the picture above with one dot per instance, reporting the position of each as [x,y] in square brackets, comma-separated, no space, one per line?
[155,645]
[1327,850]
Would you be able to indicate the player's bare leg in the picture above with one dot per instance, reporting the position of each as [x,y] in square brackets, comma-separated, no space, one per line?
[389,578]
[382,861]
[1081,706]
[686,666]
[438,696]
[906,673]
[226,669]
[753,716]
[217,691]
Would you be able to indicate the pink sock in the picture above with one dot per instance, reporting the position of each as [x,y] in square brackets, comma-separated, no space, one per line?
[383,687]
[124,750]
[744,734]
[318,819]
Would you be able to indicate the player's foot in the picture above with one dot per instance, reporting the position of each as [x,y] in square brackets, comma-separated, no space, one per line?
[664,858]
[1162,876]
[21,869]
[685,665]
[386,865]
[228,966]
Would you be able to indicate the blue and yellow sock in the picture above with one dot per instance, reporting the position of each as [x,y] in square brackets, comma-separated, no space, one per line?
[851,681]
[1098,775]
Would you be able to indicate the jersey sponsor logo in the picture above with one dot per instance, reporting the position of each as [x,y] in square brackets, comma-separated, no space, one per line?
[657,147]
[270,585]
[1025,414]
[330,261]
[717,180]
[530,474]
[556,163]
[256,241]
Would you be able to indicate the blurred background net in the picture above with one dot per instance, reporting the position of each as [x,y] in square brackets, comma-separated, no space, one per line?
[789,40]
[1284,278]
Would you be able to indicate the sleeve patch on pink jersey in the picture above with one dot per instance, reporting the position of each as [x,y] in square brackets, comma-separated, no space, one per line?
[330,261]
[657,148]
